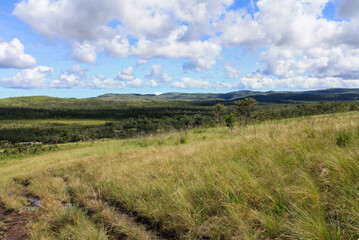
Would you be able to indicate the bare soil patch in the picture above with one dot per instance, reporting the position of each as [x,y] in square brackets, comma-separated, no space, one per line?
[13,224]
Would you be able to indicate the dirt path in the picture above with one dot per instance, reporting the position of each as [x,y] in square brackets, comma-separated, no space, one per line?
[142,223]
[13,224]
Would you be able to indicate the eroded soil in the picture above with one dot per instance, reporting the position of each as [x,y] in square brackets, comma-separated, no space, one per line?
[13,224]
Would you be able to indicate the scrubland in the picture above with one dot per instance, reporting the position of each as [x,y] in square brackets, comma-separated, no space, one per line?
[288,179]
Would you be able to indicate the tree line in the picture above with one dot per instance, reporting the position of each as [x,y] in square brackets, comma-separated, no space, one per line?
[137,121]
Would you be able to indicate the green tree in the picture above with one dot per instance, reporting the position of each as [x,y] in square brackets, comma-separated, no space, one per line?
[246,107]
[229,119]
[219,110]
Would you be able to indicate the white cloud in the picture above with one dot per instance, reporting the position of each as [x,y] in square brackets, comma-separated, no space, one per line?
[232,72]
[85,52]
[66,80]
[117,47]
[152,83]
[77,69]
[292,38]
[189,83]
[158,26]
[141,61]
[87,20]
[101,82]
[74,20]
[42,77]
[12,55]
[156,74]
[257,81]
[295,39]
[136,83]
[29,78]
[127,74]
[202,54]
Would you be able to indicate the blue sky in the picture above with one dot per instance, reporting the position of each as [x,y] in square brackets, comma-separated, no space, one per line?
[84,48]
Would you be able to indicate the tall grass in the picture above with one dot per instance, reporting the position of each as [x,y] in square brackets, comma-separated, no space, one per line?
[288,180]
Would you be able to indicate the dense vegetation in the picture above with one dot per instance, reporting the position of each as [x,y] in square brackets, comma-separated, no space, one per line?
[28,123]
[286,179]
[174,171]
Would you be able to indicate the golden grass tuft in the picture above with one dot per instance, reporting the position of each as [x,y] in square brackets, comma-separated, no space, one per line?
[275,180]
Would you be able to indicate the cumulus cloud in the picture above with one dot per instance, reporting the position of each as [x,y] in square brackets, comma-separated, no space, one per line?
[152,83]
[117,47]
[156,74]
[158,26]
[126,74]
[29,78]
[102,82]
[136,83]
[43,77]
[12,55]
[232,72]
[75,20]
[201,54]
[258,81]
[84,52]
[77,69]
[66,80]
[189,83]
[292,38]
[296,38]
[153,19]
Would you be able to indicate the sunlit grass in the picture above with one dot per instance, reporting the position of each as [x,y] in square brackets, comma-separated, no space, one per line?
[48,122]
[289,179]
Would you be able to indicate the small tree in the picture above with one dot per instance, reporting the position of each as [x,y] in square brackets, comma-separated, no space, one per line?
[219,110]
[229,119]
[246,107]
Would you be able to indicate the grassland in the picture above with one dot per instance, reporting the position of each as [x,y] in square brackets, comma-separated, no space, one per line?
[288,179]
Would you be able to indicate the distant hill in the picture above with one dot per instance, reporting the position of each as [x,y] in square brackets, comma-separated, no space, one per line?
[110,100]
[336,94]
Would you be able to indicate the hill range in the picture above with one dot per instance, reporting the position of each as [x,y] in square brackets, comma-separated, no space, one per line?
[287,97]
[337,94]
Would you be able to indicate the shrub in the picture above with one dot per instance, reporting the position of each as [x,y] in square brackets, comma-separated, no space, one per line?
[230,119]
[183,140]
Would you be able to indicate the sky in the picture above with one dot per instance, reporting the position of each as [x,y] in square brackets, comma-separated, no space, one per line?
[85,48]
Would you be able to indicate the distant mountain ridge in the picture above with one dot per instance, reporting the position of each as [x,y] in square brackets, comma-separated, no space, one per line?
[334,94]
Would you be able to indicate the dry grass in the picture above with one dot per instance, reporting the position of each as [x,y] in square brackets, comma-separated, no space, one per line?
[293,179]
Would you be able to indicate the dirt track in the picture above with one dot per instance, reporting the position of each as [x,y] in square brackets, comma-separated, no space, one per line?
[13,224]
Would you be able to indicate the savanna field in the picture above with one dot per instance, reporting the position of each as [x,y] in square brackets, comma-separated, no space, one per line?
[289,179]
[179,120]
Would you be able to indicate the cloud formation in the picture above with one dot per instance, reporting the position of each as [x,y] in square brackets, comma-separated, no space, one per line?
[127,74]
[12,55]
[232,72]
[85,53]
[258,81]
[298,46]
[29,78]
[43,77]
[158,26]
[157,75]
[189,83]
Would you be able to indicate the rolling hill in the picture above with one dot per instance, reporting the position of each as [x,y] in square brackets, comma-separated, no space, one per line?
[338,94]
